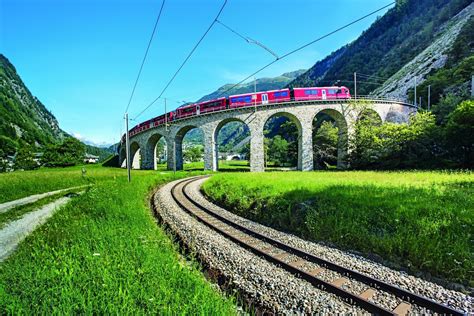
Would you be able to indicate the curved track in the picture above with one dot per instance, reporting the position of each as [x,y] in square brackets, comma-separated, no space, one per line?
[308,266]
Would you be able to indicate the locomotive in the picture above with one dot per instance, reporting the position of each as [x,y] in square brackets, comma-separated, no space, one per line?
[246,100]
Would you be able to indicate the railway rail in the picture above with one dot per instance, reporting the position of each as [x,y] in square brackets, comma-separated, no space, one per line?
[351,286]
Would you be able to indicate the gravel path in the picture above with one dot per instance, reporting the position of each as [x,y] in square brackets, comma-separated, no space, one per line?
[431,290]
[14,232]
[4,207]
[258,281]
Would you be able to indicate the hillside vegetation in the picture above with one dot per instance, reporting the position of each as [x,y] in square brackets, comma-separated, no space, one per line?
[24,120]
[392,41]
[422,221]
[26,126]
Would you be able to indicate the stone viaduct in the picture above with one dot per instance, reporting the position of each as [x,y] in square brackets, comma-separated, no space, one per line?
[344,112]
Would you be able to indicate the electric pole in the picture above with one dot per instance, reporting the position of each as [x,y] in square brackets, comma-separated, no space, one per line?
[415,94]
[166,118]
[255,93]
[127,147]
[355,85]
[429,97]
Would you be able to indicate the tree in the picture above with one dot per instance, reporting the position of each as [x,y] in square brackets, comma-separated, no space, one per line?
[325,145]
[69,153]
[278,150]
[193,154]
[460,133]
[24,160]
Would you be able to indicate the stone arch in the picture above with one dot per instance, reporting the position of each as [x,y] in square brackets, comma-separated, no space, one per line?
[178,144]
[396,117]
[370,114]
[123,156]
[343,135]
[215,136]
[135,156]
[150,148]
[295,120]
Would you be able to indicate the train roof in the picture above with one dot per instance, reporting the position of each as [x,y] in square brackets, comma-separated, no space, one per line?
[325,87]
[250,93]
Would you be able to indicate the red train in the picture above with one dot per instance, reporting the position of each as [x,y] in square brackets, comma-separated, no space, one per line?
[246,100]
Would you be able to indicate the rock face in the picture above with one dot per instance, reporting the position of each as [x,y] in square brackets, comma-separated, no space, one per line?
[432,58]
[23,119]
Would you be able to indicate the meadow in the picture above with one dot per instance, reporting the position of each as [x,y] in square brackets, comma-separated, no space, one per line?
[418,221]
[103,253]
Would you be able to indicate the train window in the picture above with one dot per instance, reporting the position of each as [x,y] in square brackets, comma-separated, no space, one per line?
[277,94]
[248,99]
[284,94]
[307,92]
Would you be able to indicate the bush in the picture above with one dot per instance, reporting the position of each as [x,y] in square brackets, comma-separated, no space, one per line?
[69,153]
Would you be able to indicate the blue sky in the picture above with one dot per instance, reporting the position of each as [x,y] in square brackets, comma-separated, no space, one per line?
[81,57]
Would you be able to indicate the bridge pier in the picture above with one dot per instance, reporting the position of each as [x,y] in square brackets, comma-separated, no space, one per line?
[305,146]
[257,152]
[210,146]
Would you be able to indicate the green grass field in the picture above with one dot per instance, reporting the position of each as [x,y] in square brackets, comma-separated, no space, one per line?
[101,254]
[422,221]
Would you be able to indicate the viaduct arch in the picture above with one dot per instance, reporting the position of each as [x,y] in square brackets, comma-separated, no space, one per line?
[344,112]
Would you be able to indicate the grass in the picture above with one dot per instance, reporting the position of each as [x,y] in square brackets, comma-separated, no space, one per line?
[224,165]
[422,221]
[103,254]
[16,185]
[17,212]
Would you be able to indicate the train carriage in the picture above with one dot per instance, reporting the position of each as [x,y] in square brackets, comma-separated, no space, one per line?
[211,106]
[321,93]
[264,97]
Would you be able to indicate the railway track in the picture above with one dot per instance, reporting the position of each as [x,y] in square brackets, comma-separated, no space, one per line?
[351,286]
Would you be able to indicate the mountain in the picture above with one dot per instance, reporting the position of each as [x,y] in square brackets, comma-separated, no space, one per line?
[417,33]
[24,120]
[262,84]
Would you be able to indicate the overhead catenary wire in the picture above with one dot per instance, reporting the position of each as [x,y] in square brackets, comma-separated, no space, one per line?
[185,60]
[249,40]
[145,56]
[306,45]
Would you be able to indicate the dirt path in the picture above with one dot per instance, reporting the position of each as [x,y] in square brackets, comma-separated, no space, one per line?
[4,207]
[14,232]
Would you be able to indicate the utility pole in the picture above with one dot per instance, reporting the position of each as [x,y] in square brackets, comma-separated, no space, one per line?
[429,97]
[127,147]
[174,157]
[472,86]
[355,85]
[419,103]
[166,118]
[255,93]
[415,94]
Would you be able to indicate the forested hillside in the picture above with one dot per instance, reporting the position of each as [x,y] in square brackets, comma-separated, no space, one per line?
[26,126]
[391,42]
[24,120]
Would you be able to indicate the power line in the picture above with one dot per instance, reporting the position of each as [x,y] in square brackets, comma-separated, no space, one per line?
[372,77]
[249,40]
[306,45]
[185,60]
[144,57]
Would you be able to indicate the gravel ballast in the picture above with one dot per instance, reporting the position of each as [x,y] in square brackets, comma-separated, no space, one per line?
[349,260]
[258,281]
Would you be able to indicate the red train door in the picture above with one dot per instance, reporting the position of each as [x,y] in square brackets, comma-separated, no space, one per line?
[264,98]
[323,91]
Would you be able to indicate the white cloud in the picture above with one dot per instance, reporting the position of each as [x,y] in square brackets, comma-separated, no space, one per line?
[89,141]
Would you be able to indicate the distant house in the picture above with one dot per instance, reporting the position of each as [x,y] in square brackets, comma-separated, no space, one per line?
[88,158]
